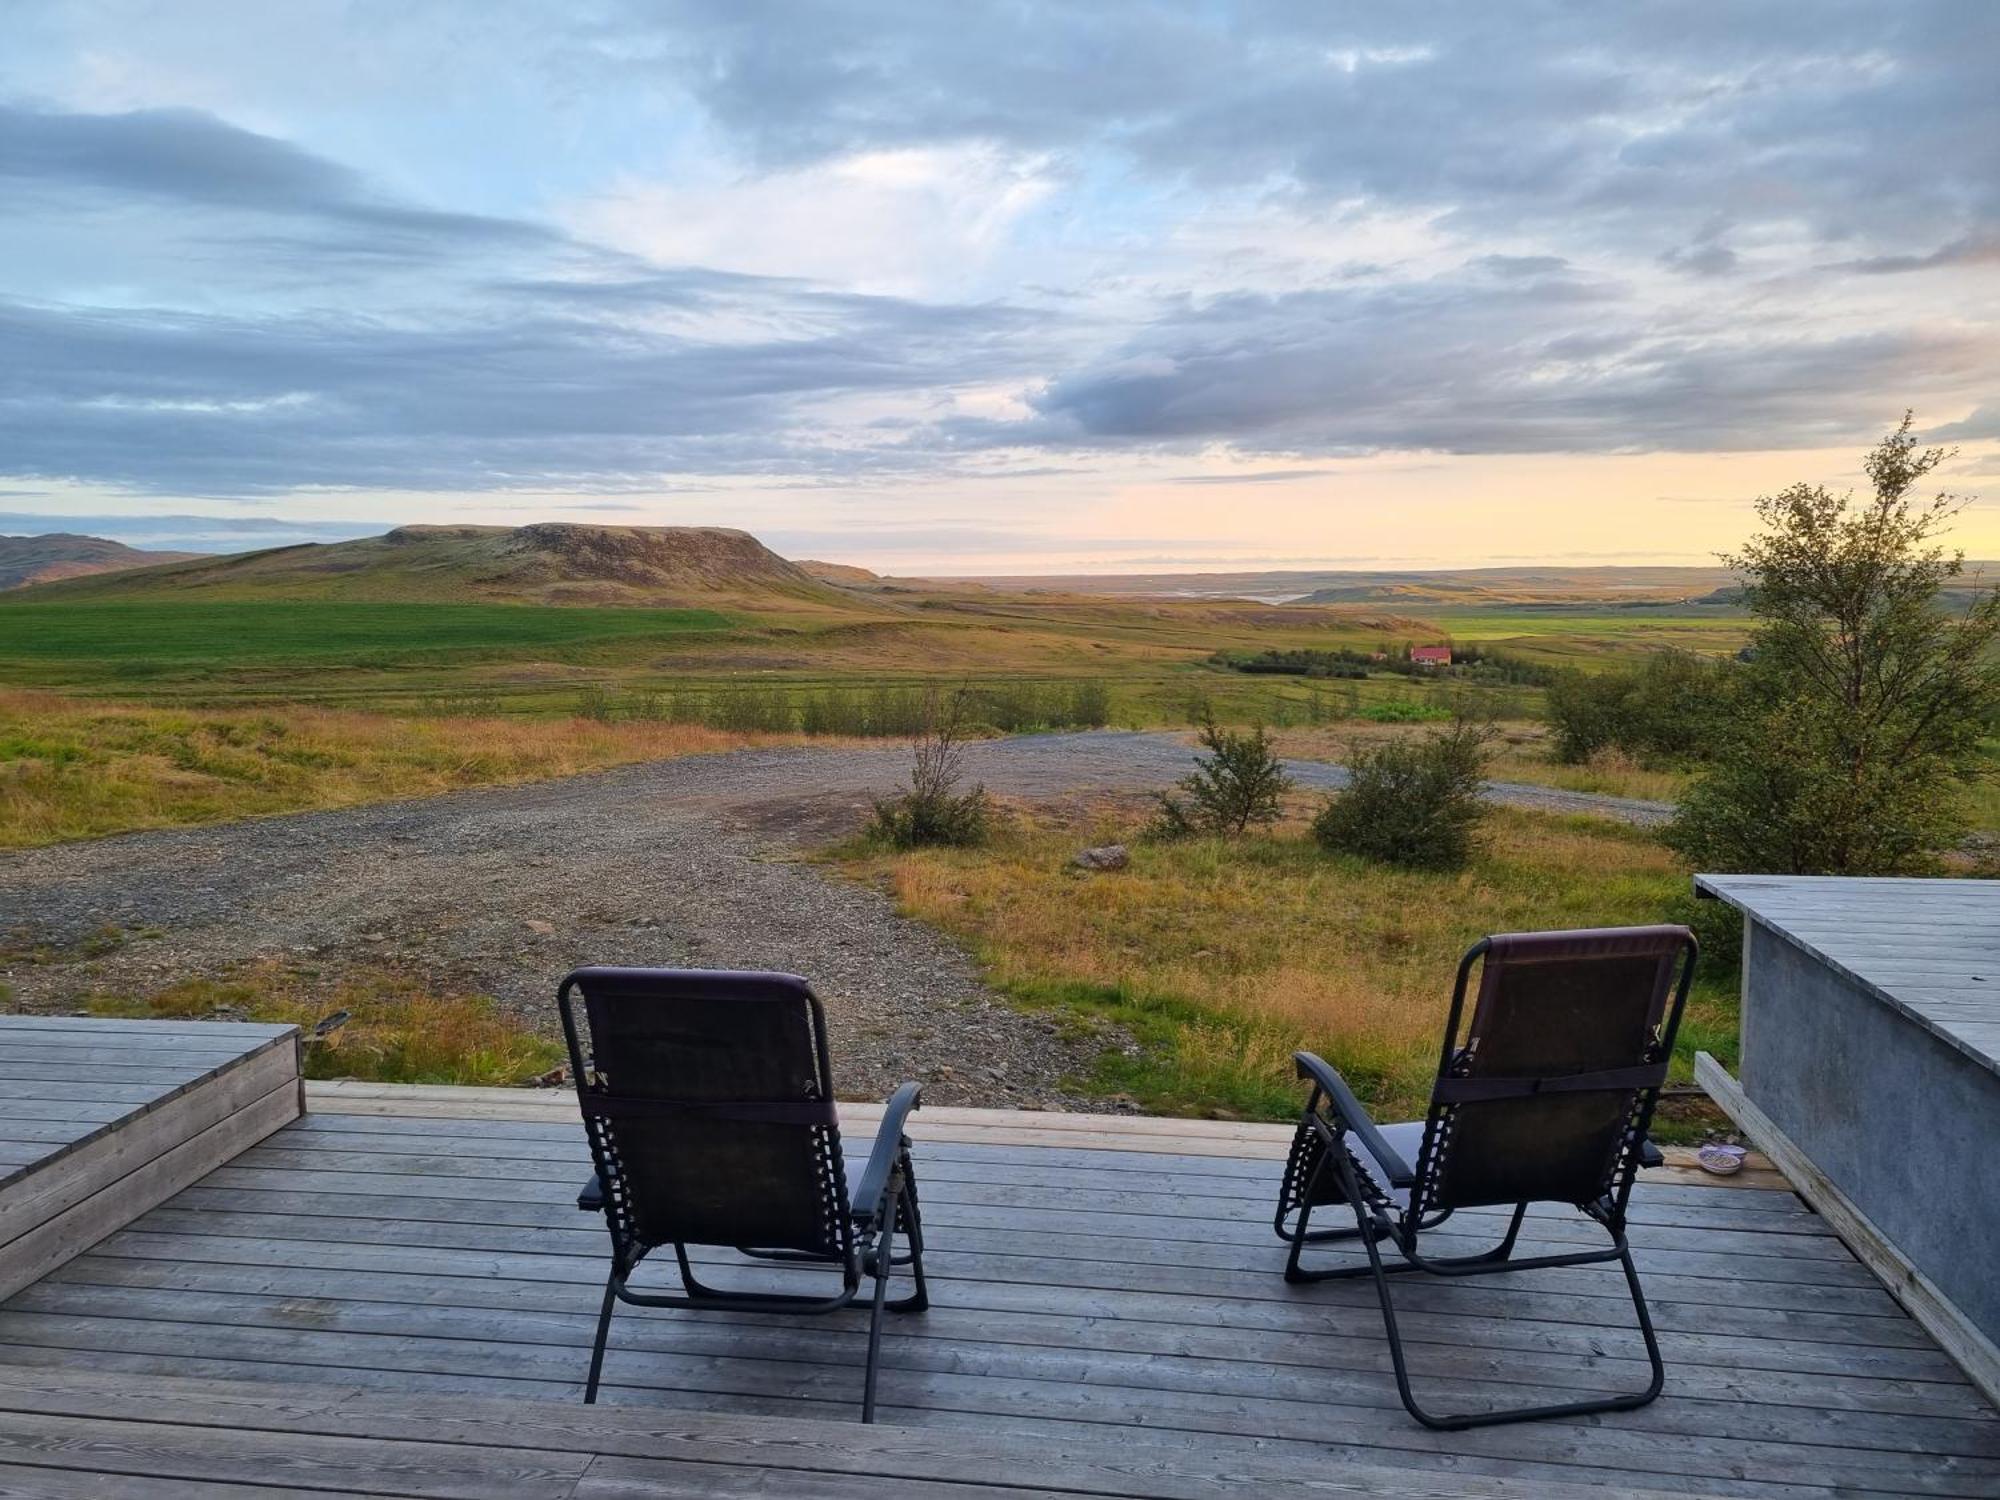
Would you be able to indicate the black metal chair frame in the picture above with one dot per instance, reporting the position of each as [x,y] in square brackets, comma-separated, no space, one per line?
[1334,1123]
[882,1206]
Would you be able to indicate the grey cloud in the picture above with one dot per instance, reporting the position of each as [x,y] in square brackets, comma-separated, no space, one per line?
[506,398]
[1458,367]
[1624,124]
[1701,260]
[1982,425]
[1970,250]
[452,374]
[186,156]
[1522,267]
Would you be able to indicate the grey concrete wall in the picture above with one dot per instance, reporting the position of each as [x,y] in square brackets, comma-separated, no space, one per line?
[1906,1126]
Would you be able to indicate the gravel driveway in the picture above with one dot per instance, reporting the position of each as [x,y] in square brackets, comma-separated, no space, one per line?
[686,861]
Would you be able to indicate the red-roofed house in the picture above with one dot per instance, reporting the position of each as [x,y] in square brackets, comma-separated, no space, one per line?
[1431,656]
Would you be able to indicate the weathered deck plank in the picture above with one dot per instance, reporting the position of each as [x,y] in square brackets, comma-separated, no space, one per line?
[1096,1282]
[651,1451]
[77,1163]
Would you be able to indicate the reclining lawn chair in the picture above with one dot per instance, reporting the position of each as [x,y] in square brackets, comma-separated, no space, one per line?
[709,1107]
[1547,1099]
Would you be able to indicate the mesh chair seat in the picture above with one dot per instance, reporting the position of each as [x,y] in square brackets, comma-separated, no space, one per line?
[708,1103]
[1543,1095]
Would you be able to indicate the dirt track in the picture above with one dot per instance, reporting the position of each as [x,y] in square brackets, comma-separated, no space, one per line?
[676,862]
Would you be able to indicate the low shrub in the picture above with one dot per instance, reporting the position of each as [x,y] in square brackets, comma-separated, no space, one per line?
[1240,782]
[1411,802]
[933,811]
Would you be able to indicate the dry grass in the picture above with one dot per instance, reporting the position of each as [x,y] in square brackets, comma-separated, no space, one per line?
[73,770]
[1224,957]
[1521,753]
[398,1031]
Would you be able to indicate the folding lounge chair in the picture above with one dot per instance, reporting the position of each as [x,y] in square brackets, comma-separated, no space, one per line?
[709,1107]
[1546,1099]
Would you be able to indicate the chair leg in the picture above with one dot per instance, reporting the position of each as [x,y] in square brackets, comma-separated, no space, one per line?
[913,1235]
[882,1250]
[603,1332]
[1459,1421]
[1301,1236]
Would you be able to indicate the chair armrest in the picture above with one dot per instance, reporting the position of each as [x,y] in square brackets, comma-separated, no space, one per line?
[1651,1155]
[591,1199]
[1354,1119]
[874,1184]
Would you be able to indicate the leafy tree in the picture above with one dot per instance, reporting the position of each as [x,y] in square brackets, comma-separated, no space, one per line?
[1239,782]
[1864,698]
[1412,802]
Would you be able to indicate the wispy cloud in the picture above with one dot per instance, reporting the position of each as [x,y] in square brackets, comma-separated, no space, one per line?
[1254,476]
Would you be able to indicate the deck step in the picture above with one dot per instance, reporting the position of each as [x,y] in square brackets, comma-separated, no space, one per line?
[103,1119]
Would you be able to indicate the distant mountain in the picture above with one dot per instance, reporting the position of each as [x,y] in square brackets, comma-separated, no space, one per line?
[547,563]
[844,575]
[62,554]
[1407,590]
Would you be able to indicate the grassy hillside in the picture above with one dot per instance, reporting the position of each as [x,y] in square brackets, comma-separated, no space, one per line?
[548,563]
[56,555]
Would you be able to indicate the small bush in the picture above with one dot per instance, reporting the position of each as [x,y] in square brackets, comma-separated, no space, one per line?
[1238,783]
[1089,705]
[1411,802]
[933,811]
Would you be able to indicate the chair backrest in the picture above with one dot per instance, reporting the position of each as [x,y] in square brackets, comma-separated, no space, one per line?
[709,1107]
[1547,1095]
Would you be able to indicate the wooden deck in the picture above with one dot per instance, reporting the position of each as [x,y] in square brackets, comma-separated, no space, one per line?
[404,1273]
[100,1120]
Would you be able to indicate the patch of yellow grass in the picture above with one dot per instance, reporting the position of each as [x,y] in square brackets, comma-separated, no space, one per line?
[398,1030]
[1225,956]
[73,770]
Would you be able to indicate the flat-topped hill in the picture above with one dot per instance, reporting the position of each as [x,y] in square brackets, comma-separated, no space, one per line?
[546,563]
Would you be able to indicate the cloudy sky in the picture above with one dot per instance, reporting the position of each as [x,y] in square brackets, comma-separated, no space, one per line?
[1107,285]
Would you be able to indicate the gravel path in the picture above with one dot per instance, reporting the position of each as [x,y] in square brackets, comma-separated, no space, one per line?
[687,861]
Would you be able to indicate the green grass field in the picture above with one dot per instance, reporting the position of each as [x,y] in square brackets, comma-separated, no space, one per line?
[1584,636]
[76,644]
[403,657]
